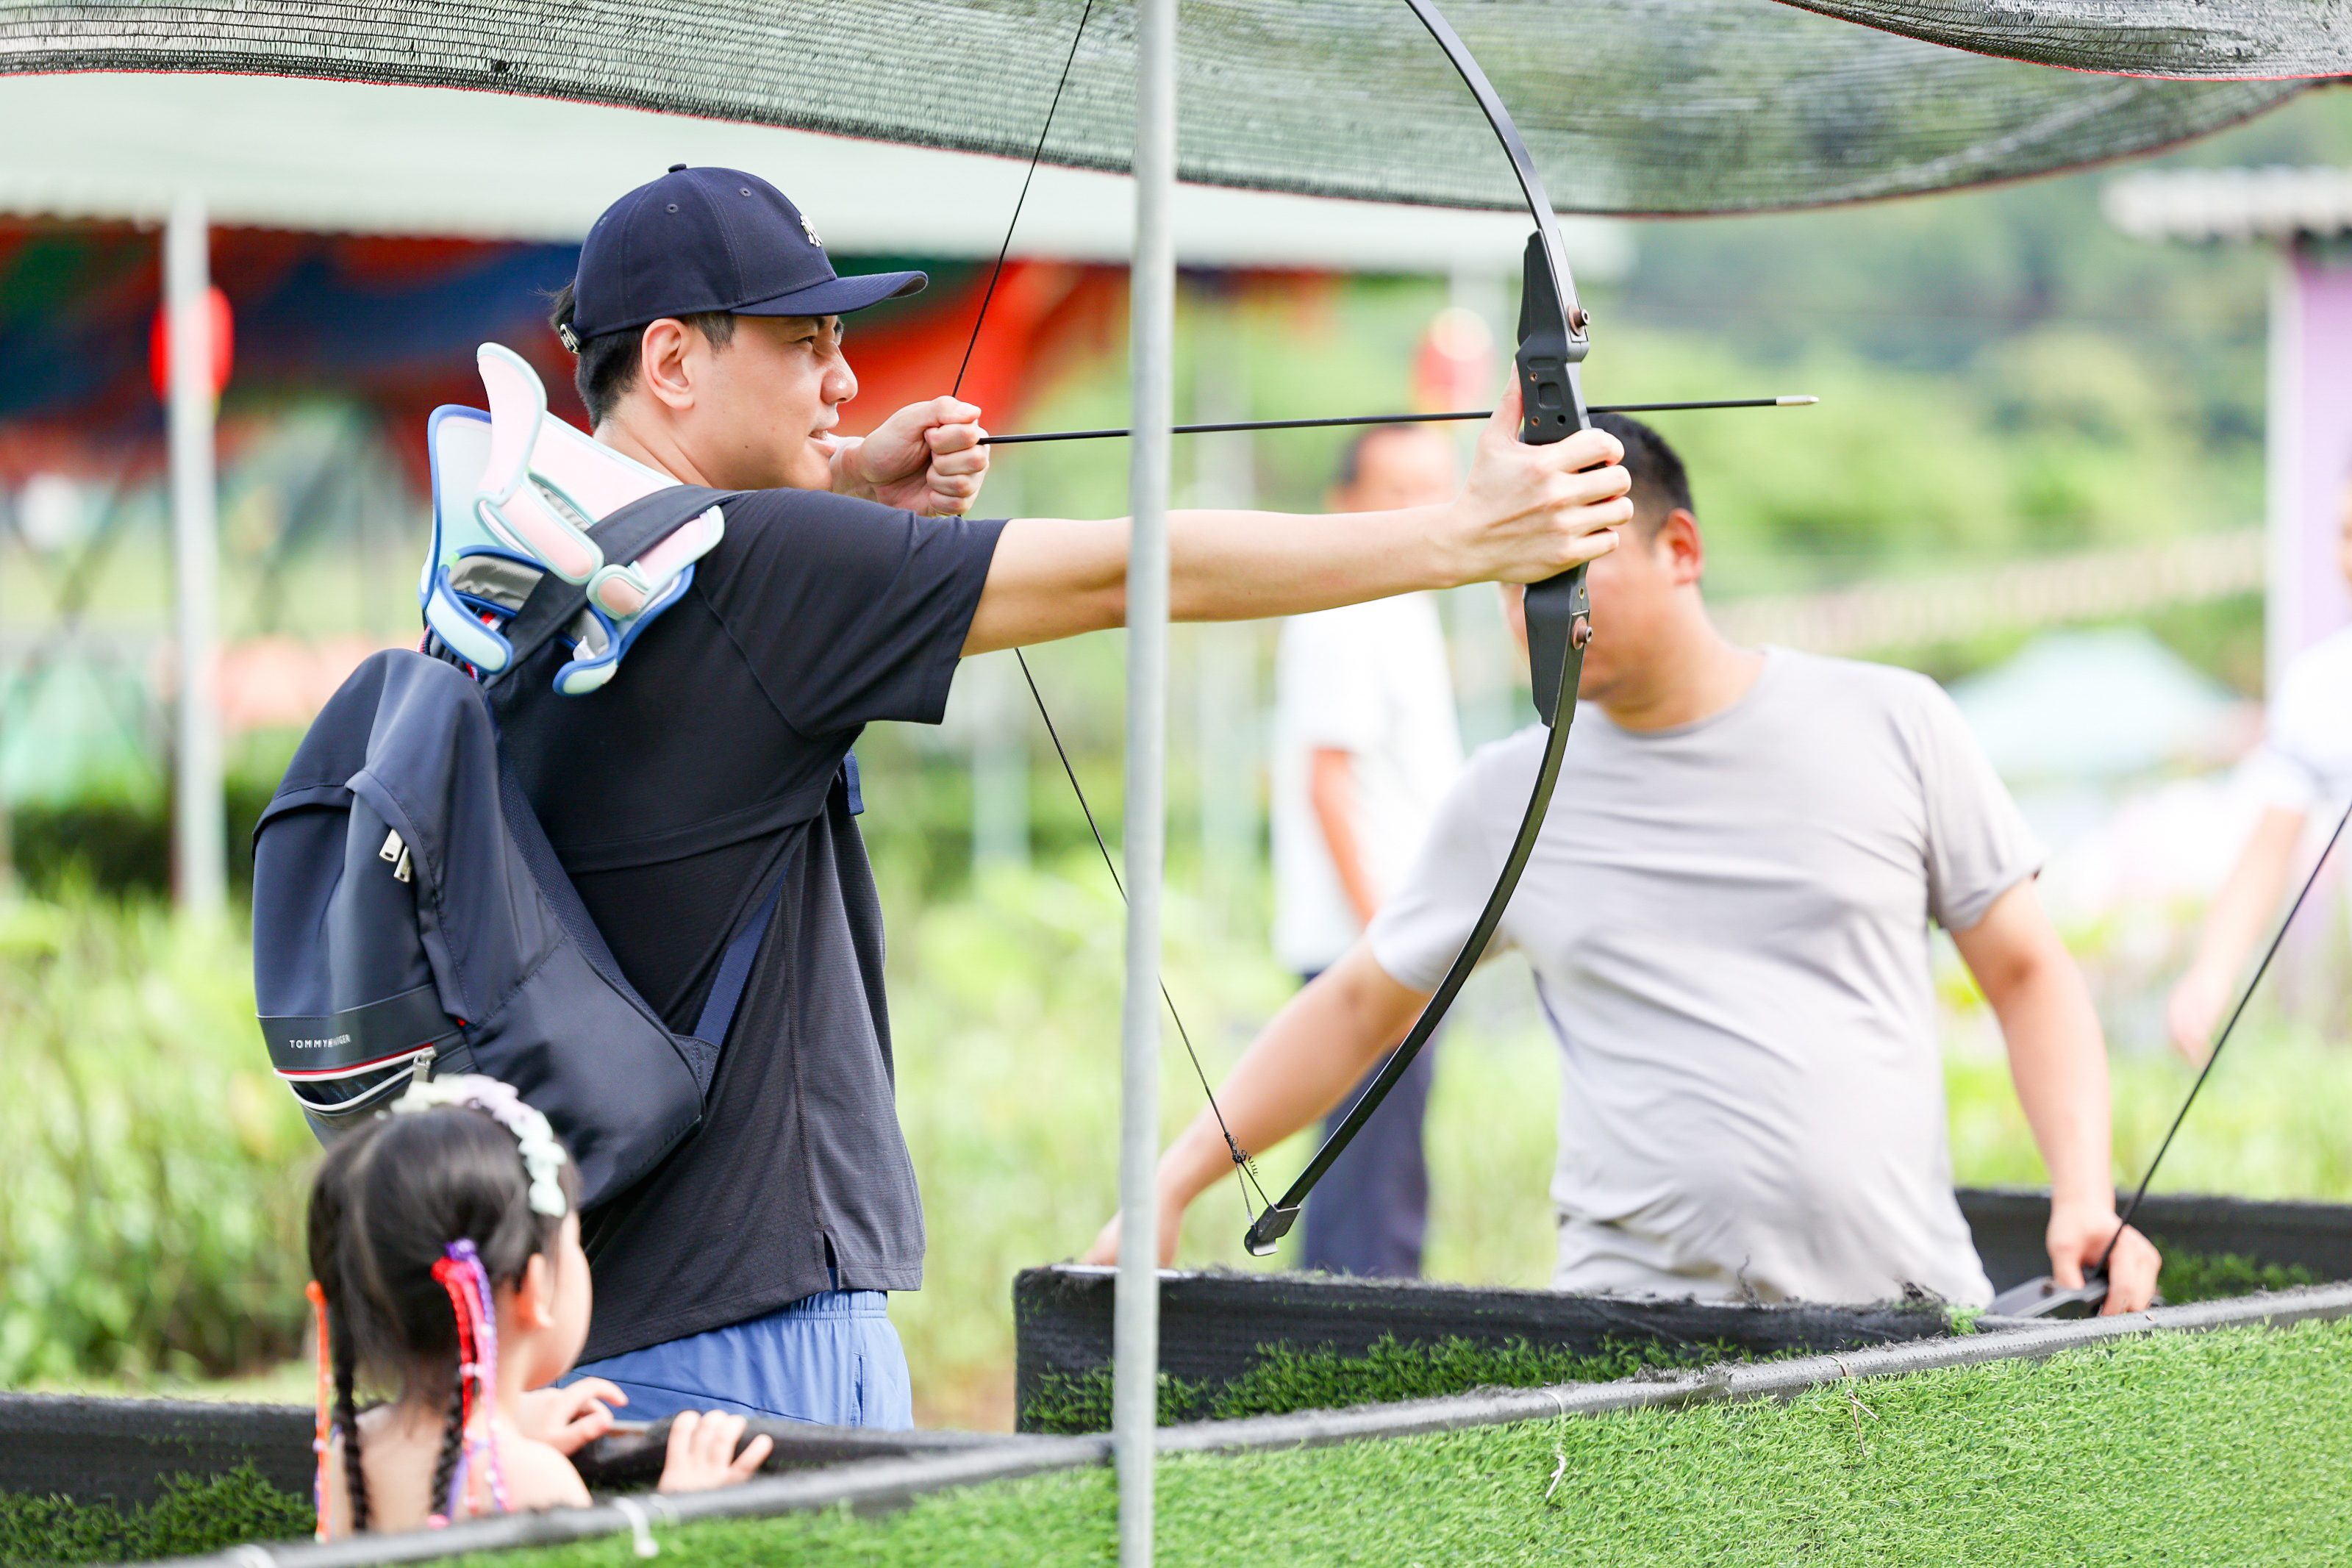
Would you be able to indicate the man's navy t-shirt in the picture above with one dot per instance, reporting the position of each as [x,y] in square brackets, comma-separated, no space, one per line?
[709,765]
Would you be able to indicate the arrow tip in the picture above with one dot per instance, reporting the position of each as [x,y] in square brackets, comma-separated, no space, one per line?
[1798,400]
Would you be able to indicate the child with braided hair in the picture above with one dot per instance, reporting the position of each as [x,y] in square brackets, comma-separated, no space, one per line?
[445,1240]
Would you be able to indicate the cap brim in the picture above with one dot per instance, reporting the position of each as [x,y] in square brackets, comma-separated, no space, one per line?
[840,296]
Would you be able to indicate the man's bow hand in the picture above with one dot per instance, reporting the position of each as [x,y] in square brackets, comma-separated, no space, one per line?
[1532,512]
[927,458]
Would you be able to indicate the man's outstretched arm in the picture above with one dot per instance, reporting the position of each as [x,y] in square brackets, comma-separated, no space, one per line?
[2058,1059]
[1528,513]
[1306,1059]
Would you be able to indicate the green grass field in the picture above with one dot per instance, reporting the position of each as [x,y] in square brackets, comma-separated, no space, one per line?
[2233,1447]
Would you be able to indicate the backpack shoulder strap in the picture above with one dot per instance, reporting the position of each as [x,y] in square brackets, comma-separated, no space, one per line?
[735,969]
[624,535]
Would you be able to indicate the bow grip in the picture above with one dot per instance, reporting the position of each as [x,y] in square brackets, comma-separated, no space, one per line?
[1551,408]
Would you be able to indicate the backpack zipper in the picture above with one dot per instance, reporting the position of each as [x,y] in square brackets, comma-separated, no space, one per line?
[396,853]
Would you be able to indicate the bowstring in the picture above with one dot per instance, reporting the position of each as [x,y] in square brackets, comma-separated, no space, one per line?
[1246,1173]
[1244,1169]
[1005,249]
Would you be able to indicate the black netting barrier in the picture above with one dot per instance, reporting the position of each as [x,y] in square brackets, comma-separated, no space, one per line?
[2193,40]
[1631,106]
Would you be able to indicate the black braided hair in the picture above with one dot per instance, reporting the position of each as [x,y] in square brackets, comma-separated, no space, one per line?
[453,1443]
[391,1196]
[347,1417]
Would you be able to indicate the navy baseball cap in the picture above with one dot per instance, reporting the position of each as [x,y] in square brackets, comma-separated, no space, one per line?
[700,240]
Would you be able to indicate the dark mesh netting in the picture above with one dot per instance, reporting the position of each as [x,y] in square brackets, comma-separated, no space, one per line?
[2195,40]
[1631,106]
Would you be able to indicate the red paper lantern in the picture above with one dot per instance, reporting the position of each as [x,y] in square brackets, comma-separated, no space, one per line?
[159,346]
[1455,366]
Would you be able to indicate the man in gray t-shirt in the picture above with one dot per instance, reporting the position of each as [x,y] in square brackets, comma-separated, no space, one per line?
[1727,916]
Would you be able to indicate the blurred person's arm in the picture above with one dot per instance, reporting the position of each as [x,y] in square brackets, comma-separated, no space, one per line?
[2058,1059]
[1331,790]
[2244,906]
[1300,1066]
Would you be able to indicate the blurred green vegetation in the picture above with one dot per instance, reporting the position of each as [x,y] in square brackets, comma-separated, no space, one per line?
[116,838]
[150,1203]
[2215,1276]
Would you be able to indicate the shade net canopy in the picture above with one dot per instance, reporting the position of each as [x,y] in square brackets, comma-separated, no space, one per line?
[2191,40]
[1631,106]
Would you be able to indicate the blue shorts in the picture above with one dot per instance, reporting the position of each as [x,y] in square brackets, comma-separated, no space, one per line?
[832,1359]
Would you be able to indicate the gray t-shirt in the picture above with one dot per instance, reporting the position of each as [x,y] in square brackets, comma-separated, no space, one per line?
[1729,927]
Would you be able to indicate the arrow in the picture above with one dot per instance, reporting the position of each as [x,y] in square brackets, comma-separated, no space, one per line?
[1796,400]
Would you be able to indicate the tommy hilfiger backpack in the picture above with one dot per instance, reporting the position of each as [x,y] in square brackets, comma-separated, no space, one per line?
[410,917]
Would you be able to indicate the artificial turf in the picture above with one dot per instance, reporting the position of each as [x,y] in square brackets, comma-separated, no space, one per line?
[2231,1447]
[192,1516]
[1285,1379]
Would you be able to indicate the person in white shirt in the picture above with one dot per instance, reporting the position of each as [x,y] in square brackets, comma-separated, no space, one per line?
[2303,765]
[1365,744]
[1728,914]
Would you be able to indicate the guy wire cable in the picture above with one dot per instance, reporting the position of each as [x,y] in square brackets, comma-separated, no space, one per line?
[1245,1170]
[2214,1055]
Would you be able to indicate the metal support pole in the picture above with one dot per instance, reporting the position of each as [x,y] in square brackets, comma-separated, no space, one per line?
[199,872]
[1151,341]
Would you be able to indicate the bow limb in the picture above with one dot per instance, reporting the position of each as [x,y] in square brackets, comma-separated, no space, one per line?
[1553,340]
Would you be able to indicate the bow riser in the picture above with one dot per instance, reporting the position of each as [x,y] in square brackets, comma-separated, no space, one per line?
[1551,408]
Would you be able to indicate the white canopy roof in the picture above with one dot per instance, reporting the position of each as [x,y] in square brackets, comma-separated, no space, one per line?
[2276,202]
[348,158]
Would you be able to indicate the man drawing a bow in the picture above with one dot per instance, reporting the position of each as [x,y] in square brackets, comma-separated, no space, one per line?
[1727,912]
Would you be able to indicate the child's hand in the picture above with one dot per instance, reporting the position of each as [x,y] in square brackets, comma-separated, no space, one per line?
[569,1419]
[699,1446]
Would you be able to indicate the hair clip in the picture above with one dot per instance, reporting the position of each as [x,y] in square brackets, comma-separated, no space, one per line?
[542,1155]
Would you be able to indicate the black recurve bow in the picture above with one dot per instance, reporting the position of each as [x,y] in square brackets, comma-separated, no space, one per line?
[1553,340]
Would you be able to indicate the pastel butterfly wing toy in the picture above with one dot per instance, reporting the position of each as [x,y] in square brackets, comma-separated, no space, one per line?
[518,494]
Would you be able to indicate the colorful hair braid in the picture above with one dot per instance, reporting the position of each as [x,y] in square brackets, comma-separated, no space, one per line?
[461,1274]
[318,1294]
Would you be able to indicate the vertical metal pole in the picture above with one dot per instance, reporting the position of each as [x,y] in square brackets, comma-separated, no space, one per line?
[1151,334]
[199,872]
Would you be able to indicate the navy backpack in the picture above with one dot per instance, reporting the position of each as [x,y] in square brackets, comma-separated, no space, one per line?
[410,918]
